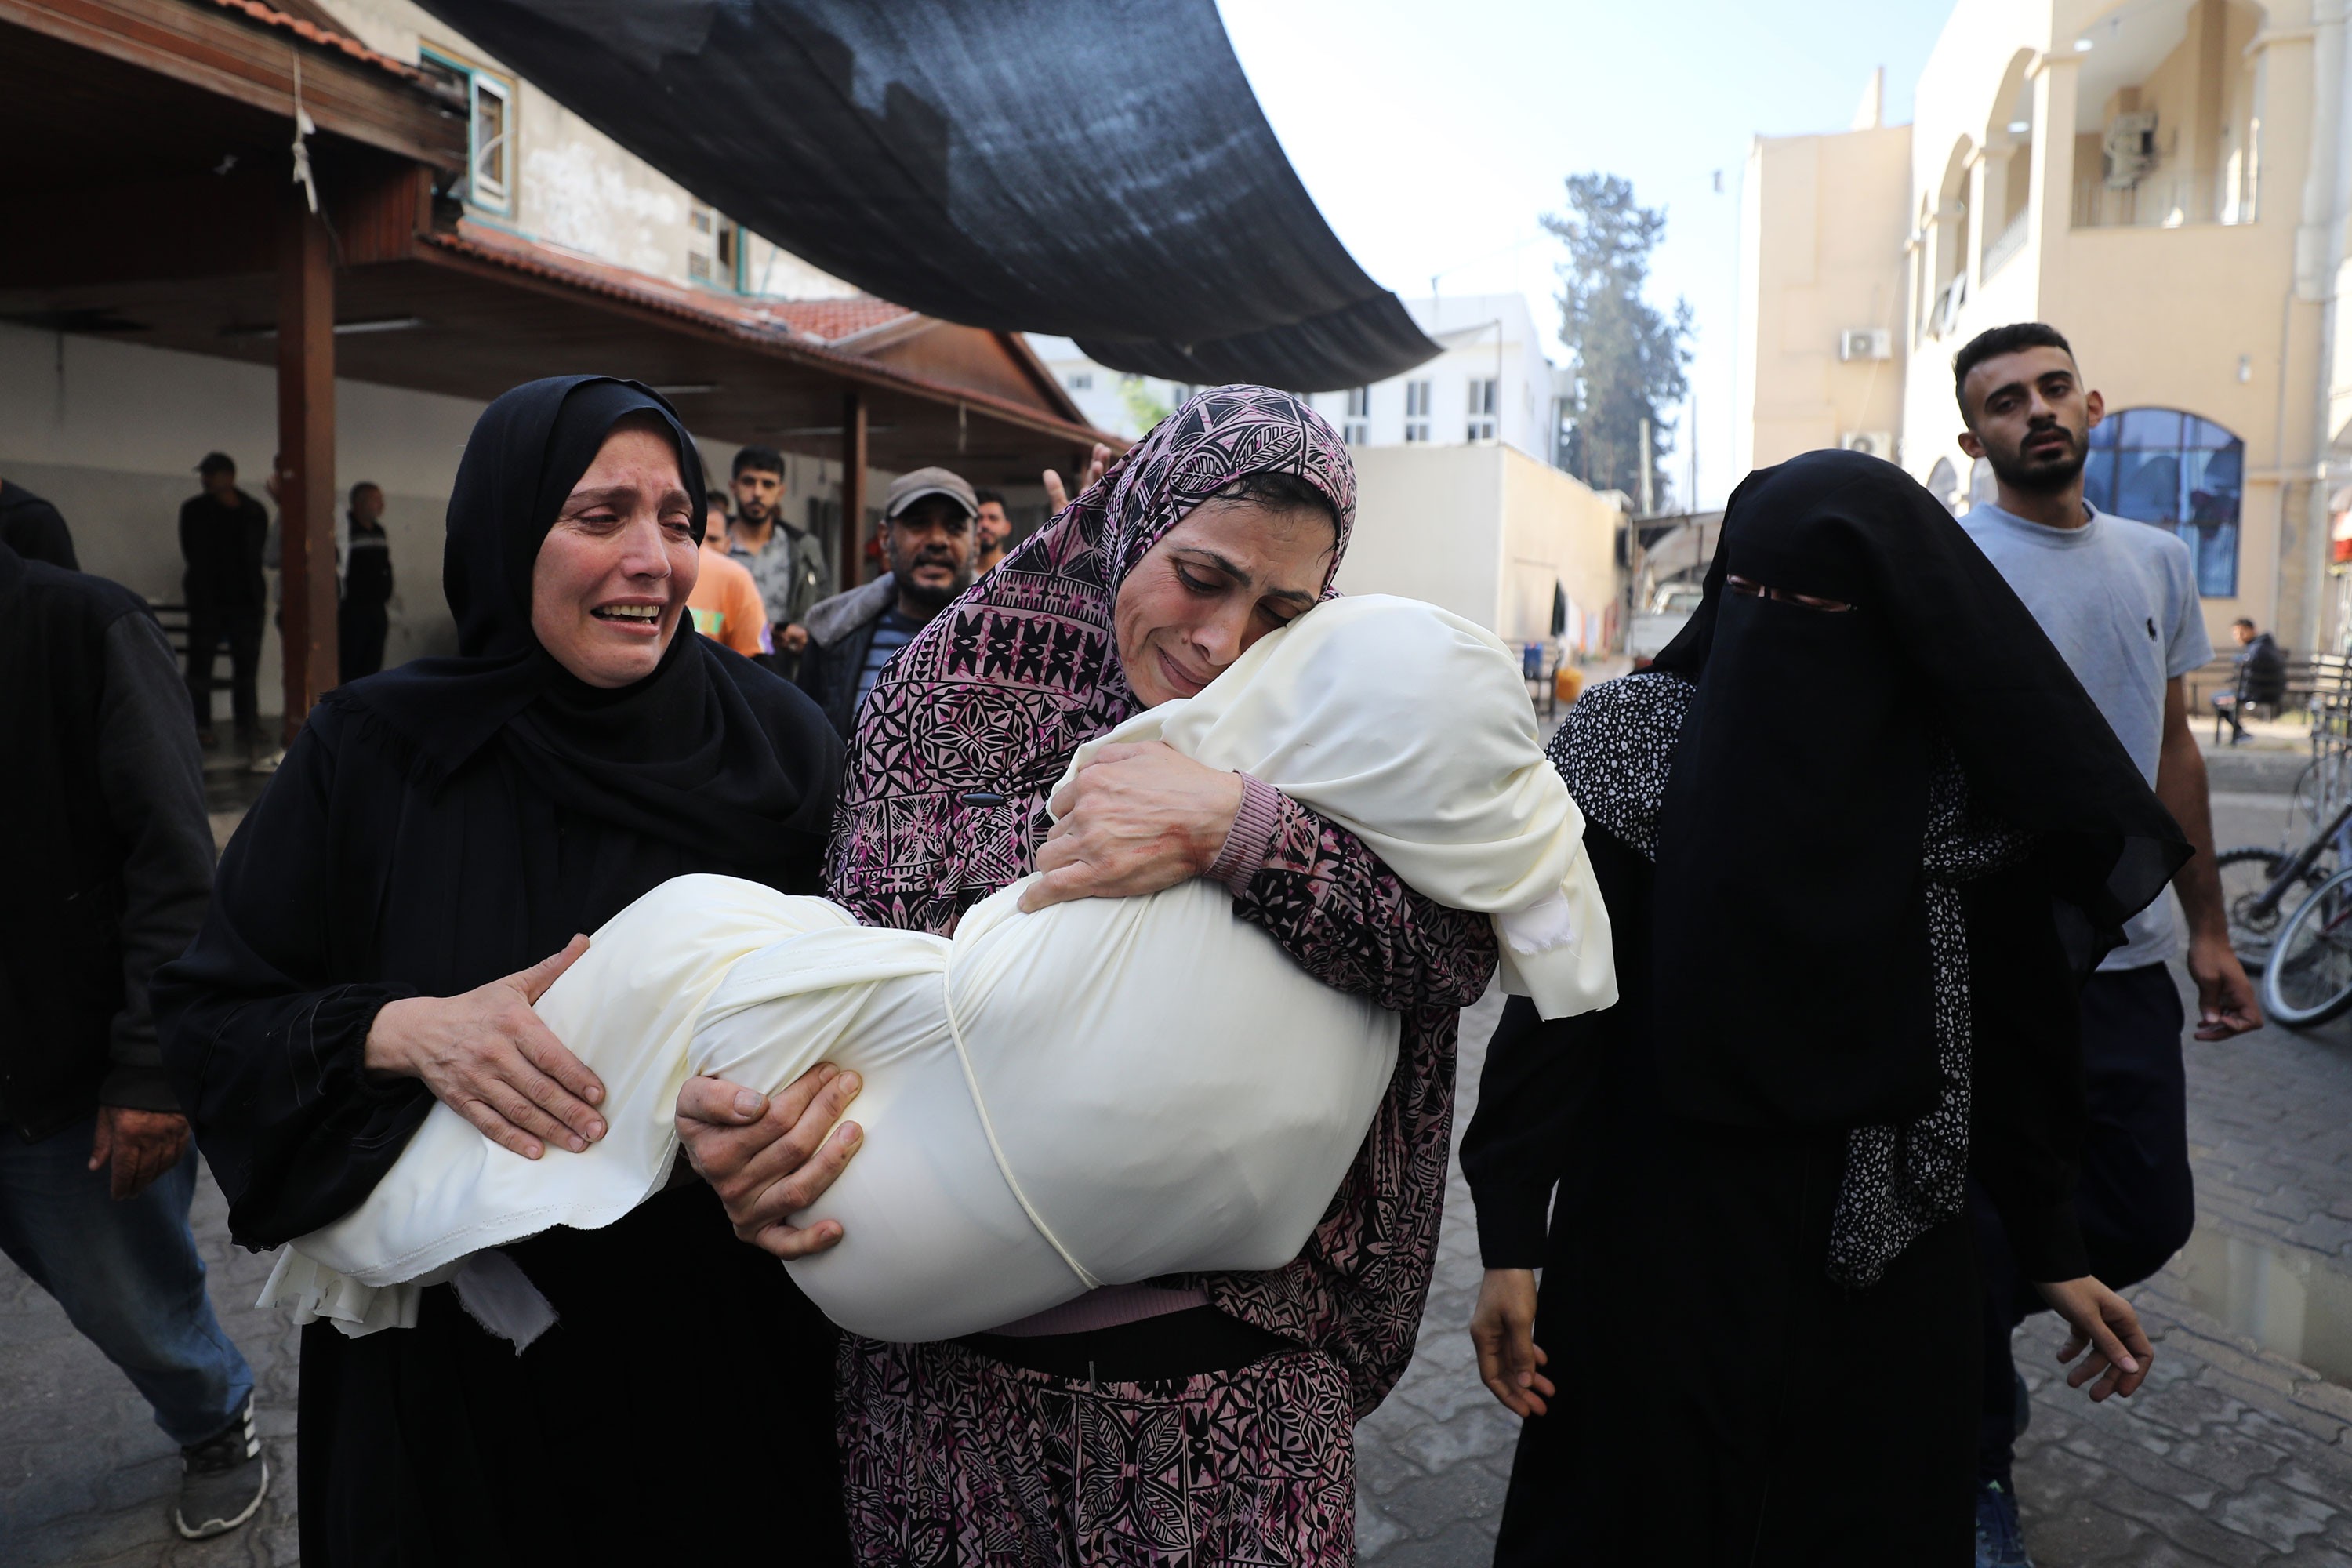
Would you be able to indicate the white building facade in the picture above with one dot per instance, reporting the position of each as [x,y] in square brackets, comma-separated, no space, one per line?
[1492,383]
[1462,498]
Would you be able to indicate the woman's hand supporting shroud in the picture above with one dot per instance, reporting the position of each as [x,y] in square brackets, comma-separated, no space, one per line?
[768,1156]
[1137,819]
[486,1056]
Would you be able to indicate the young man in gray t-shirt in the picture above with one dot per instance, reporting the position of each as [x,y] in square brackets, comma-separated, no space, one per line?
[2119,600]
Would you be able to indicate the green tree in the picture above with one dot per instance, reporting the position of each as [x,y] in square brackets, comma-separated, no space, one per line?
[1627,357]
[1142,408]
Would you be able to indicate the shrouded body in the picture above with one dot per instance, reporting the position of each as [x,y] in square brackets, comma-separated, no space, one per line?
[1099,1092]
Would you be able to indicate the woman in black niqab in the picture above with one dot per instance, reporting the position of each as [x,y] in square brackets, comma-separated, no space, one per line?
[1862,833]
[432,829]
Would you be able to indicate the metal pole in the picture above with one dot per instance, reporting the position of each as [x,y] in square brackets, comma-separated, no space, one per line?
[1649,501]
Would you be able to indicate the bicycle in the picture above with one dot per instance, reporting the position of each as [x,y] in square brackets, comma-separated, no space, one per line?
[2308,979]
[2255,881]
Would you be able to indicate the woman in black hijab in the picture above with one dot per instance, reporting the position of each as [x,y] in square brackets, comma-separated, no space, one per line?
[432,830]
[1861,833]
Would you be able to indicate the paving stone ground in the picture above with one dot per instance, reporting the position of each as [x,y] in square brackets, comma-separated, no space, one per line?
[2231,1454]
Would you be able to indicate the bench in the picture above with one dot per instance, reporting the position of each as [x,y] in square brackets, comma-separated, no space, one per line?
[173,619]
[2317,684]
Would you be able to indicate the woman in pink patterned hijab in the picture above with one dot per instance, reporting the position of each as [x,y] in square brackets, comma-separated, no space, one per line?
[991,697]
[1198,1419]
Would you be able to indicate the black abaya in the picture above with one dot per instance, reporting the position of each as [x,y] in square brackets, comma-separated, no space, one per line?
[684,1395]
[1720,1400]
[1774,823]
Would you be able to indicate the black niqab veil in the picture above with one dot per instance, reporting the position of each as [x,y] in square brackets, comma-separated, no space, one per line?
[1794,813]
[690,755]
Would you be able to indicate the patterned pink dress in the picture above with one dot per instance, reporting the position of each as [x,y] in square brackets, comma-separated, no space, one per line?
[952,1457]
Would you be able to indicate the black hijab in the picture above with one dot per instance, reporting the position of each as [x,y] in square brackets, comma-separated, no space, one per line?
[709,752]
[1791,950]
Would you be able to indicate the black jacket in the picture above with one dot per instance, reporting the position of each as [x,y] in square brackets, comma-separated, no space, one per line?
[223,547]
[110,854]
[367,565]
[34,529]
[2262,670]
[840,631]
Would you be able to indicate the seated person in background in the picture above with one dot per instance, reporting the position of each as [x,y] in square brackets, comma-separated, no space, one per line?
[725,603]
[2262,678]
[926,535]
[1102,1091]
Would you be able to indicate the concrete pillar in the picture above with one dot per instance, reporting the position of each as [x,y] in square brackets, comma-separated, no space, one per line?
[2207,44]
[305,456]
[2322,272]
[1976,226]
[2055,81]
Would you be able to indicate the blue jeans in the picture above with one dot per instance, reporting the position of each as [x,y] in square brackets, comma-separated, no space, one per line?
[127,1274]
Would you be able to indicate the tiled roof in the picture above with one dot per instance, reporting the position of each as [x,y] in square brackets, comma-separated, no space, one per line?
[832,320]
[268,16]
[825,321]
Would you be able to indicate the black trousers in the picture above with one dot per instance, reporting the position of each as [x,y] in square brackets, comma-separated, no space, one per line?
[359,639]
[241,630]
[2136,1198]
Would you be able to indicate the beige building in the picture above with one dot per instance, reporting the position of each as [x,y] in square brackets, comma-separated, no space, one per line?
[1822,347]
[2168,181]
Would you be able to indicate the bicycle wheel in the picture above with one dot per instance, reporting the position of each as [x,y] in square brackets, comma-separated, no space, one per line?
[2308,979]
[2245,872]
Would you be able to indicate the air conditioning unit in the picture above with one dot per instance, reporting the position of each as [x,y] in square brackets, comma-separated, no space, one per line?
[1877,443]
[2130,149]
[1865,343]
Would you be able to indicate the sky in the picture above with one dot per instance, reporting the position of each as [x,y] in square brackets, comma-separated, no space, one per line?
[1434,136]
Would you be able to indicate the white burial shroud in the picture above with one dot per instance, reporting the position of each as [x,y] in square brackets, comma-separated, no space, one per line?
[1104,1091]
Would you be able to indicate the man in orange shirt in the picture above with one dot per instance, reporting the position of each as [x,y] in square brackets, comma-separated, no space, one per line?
[726,601]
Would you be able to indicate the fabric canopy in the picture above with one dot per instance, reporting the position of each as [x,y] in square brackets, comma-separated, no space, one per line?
[1095,170]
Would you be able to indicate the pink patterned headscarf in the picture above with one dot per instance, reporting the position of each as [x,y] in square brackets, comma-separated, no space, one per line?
[968,730]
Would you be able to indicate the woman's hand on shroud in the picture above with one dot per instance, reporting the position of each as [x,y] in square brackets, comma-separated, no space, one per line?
[768,1156]
[1504,1328]
[486,1056]
[1135,819]
[2098,1319]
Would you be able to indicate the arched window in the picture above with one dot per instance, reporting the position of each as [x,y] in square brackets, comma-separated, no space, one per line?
[2175,471]
[1944,484]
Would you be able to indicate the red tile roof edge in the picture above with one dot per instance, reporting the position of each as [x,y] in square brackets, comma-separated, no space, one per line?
[835,320]
[310,32]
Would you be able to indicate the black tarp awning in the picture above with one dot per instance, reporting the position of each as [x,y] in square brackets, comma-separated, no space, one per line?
[1094,168]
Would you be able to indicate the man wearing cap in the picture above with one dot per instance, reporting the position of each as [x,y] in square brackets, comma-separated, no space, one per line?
[926,535]
[221,532]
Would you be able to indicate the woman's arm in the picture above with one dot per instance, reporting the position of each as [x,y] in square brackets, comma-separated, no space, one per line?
[263,1045]
[2027,1117]
[1143,817]
[304,1073]
[1349,921]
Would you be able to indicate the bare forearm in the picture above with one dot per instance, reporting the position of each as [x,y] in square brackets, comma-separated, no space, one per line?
[2180,786]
